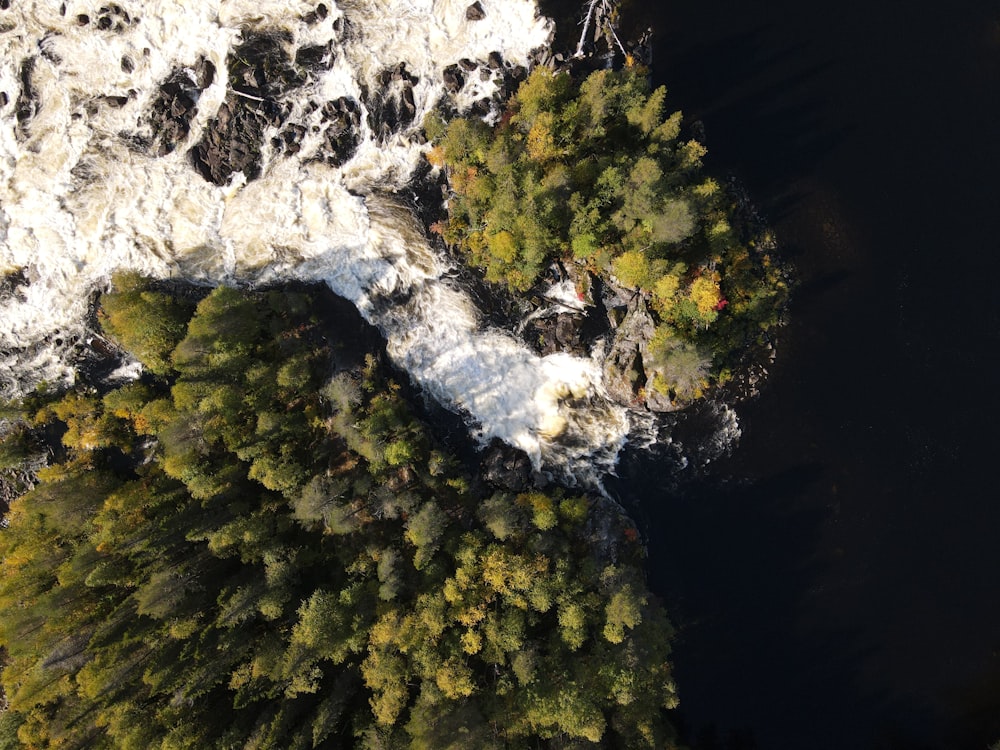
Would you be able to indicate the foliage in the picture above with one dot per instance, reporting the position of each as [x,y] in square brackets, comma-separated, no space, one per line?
[287,563]
[596,172]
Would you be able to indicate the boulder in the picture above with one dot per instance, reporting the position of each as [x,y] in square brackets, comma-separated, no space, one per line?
[453,78]
[506,467]
[475,12]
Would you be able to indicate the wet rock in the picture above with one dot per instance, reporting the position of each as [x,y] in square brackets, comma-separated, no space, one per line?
[506,467]
[261,72]
[557,333]
[127,65]
[467,64]
[46,48]
[475,12]
[113,17]
[391,108]
[261,66]
[83,19]
[341,119]
[316,58]
[495,60]
[317,15]
[12,282]
[453,78]
[175,105]
[27,104]
[624,374]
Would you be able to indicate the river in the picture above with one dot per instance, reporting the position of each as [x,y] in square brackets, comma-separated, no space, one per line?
[835,580]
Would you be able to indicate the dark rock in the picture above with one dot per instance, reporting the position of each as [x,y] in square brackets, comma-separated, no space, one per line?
[45,47]
[495,59]
[316,58]
[111,17]
[506,467]
[485,74]
[475,12]
[260,72]
[204,72]
[317,15]
[467,64]
[11,283]
[482,106]
[127,65]
[567,329]
[27,104]
[556,333]
[408,104]
[391,108]
[340,137]
[519,73]
[454,79]
[175,105]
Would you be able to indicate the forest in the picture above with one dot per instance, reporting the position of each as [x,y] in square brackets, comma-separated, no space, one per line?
[258,544]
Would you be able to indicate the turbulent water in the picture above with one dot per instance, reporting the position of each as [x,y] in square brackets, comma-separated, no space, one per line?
[108,119]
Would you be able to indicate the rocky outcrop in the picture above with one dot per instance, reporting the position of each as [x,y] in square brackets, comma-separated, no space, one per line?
[261,72]
[556,333]
[315,16]
[391,106]
[506,467]
[176,104]
[624,374]
[340,120]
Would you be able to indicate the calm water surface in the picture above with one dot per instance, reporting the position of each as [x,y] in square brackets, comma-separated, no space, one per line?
[836,582]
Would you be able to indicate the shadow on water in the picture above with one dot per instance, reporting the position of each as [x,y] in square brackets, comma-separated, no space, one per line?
[727,554]
[769,121]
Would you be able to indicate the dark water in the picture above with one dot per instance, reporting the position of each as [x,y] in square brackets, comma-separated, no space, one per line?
[836,582]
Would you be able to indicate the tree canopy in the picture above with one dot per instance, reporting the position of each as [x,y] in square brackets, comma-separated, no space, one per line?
[243,551]
[596,172]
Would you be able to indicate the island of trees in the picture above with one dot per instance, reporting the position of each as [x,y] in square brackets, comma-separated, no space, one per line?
[259,545]
[593,174]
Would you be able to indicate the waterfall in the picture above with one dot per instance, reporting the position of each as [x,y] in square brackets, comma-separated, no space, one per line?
[116,153]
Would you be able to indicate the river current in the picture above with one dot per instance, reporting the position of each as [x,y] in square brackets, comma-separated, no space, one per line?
[89,186]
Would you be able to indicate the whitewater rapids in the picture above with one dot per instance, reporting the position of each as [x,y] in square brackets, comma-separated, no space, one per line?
[79,200]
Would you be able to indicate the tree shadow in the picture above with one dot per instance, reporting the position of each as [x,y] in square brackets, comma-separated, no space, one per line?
[760,107]
[733,560]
